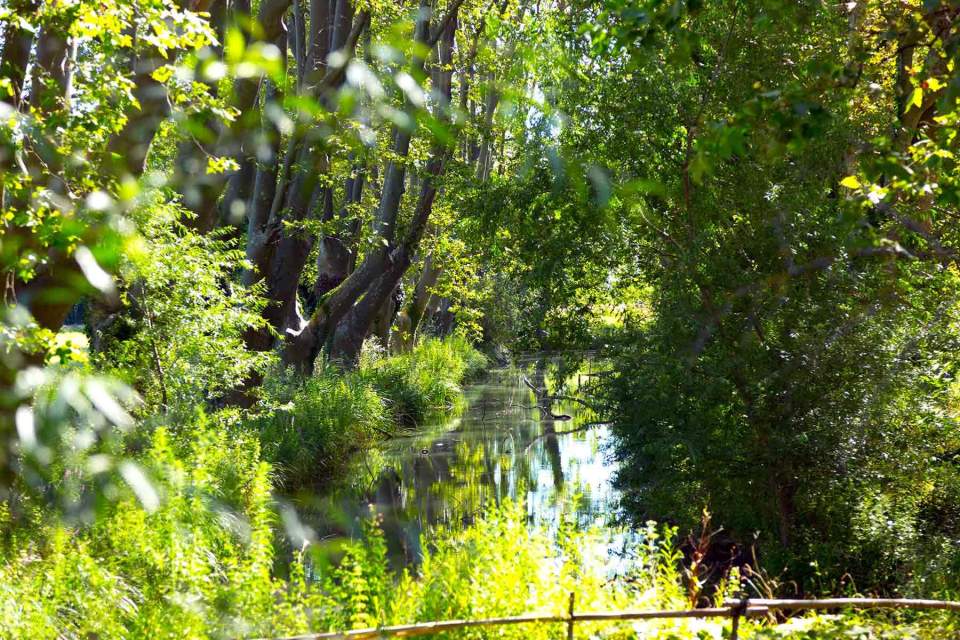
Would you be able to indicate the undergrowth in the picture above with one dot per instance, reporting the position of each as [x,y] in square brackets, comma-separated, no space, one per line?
[199,567]
[200,560]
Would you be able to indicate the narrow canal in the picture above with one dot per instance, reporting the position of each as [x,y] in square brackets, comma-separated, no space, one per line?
[505,444]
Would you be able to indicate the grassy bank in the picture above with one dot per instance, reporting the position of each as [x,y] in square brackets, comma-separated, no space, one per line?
[191,554]
[314,426]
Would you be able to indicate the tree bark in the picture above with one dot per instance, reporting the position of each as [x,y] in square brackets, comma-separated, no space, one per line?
[17,43]
[201,191]
[303,346]
[356,324]
[423,296]
[278,253]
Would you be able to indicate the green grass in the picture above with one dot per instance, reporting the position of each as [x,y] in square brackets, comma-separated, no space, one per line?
[317,425]
[194,567]
[425,384]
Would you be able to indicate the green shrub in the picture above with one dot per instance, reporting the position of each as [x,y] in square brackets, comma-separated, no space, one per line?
[330,417]
[178,338]
[198,565]
[501,566]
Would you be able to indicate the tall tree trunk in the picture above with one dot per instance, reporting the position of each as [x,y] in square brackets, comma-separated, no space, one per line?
[277,252]
[17,42]
[371,282]
[383,321]
[350,333]
[356,324]
[445,318]
[201,191]
[423,295]
[336,251]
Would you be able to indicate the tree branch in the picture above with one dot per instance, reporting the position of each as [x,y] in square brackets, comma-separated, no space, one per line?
[437,33]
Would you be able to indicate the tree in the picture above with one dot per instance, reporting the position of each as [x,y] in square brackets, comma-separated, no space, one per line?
[789,326]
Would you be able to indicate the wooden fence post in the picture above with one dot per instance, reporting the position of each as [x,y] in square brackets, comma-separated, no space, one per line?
[570,623]
[739,609]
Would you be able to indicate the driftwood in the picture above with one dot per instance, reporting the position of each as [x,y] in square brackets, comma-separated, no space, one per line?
[583,427]
[731,609]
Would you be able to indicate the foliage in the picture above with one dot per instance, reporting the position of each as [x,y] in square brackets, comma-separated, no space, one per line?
[177,335]
[424,384]
[550,240]
[207,574]
[793,371]
[62,189]
[197,564]
[750,204]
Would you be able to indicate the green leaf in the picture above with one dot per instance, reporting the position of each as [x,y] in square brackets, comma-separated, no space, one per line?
[850,182]
[915,99]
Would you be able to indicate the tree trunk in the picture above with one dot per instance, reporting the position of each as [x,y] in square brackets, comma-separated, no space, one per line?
[350,333]
[201,191]
[423,295]
[278,254]
[377,276]
[17,43]
[335,258]
[356,325]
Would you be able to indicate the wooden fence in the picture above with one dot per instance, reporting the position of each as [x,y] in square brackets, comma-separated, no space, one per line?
[735,610]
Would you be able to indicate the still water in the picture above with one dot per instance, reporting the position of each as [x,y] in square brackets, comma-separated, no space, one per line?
[502,446]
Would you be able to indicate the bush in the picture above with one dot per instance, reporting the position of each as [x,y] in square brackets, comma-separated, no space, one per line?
[329,417]
[197,565]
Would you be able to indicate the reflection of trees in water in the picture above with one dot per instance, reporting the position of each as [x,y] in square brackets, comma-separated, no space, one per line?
[545,409]
[506,438]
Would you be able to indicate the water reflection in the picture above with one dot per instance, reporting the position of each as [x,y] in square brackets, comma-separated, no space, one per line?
[508,443]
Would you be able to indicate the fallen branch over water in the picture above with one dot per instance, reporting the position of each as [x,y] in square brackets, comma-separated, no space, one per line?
[547,398]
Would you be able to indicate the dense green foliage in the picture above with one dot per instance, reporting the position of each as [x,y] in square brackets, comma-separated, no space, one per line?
[243,243]
[207,577]
[792,367]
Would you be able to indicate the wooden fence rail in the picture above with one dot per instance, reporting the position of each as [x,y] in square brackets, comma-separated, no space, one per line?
[734,609]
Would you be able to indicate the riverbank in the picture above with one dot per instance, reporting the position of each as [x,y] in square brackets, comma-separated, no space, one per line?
[201,560]
[311,429]
[499,448]
[191,551]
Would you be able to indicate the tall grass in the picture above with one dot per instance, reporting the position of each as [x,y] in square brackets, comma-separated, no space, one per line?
[317,424]
[197,566]
[424,384]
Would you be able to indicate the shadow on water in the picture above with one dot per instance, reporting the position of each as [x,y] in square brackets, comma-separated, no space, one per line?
[509,443]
